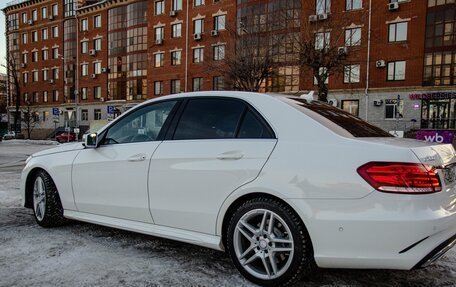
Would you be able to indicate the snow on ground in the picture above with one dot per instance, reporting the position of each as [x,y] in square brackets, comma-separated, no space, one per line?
[81,254]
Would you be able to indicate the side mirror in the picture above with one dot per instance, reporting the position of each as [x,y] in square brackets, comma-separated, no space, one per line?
[91,140]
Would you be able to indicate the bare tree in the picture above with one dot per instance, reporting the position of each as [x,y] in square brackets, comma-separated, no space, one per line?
[12,66]
[328,44]
[29,118]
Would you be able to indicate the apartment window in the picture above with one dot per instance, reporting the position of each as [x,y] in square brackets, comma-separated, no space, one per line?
[177,5]
[55,31]
[24,38]
[34,15]
[393,110]
[55,53]
[84,115]
[24,58]
[197,84]
[45,54]
[45,75]
[84,47]
[44,34]
[219,52]
[175,86]
[397,32]
[159,33]
[322,7]
[159,7]
[36,99]
[158,88]
[198,55]
[159,57]
[396,71]
[84,70]
[55,73]
[35,56]
[353,37]
[176,30]
[35,77]
[84,24]
[97,68]
[322,71]
[44,13]
[219,22]
[55,95]
[432,3]
[351,74]
[97,21]
[45,100]
[440,68]
[97,92]
[24,18]
[218,83]
[97,114]
[353,4]
[322,40]
[197,3]
[97,44]
[25,77]
[55,10]
[26,97]
[34,36]
[198,26]
[351,106]
[84,93]
[176,58]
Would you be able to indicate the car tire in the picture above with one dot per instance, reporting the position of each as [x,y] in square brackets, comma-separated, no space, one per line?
[47,206]
[255,245]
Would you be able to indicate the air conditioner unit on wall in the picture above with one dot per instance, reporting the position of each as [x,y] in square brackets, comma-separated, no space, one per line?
[159,42]
[93,76]
[323,16]
[342,51]
[378,103]
[92,52]
[393,6]
[313,18]
[197,36]
[214,33]
[332,102]
[172,13]
[51,17]
[380,64]
[30,22]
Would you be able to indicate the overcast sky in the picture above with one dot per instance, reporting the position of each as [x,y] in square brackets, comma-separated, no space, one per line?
[2,40]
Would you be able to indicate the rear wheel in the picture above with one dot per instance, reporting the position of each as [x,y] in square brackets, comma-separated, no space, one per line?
[268,243]
[46,201]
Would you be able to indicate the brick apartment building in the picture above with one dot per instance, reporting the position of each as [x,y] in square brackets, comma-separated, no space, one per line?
[95,59]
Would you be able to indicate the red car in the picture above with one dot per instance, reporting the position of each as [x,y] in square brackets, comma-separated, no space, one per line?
[66,137]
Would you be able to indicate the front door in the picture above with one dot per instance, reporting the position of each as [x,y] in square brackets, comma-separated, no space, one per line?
[111,180]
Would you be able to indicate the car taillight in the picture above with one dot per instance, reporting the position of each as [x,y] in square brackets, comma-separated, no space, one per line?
[396,177]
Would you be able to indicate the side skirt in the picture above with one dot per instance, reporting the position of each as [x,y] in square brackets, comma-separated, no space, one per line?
[205,240]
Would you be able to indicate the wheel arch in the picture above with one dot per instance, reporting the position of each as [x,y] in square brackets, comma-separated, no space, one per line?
[222,227]
[28,192]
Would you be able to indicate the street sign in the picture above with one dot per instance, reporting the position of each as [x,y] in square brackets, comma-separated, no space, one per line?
[55,111]
[76,130]
[111,110]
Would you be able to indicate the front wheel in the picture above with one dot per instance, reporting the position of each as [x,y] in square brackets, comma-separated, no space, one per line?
[46,201]
[268,243]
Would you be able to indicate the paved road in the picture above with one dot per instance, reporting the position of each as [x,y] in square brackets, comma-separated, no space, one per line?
[82,254]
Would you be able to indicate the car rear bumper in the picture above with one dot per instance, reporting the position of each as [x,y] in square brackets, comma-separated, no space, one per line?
[380,231]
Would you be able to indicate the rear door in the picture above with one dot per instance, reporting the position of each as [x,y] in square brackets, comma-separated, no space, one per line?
[217,145]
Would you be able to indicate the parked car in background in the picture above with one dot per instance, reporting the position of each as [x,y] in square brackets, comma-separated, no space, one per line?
[64,137]
[281,183]
[13,135]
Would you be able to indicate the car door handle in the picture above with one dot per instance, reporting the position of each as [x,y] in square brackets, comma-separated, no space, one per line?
[230,155]
[137,157]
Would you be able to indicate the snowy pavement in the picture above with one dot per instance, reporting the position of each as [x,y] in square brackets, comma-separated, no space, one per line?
[83,254]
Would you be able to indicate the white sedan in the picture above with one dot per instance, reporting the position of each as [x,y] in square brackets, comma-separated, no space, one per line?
[283,184]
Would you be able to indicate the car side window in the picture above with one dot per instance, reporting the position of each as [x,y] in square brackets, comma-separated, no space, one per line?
[140,126]
[209,119]
[253,128]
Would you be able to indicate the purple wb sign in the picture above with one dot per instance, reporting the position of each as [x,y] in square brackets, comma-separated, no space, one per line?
[435,136]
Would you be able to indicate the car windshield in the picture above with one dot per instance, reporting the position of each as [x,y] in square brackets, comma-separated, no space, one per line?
[354,125]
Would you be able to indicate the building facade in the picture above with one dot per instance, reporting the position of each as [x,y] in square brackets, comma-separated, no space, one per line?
[79,62]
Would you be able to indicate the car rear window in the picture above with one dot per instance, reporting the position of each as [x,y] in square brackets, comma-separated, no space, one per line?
[354,125]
